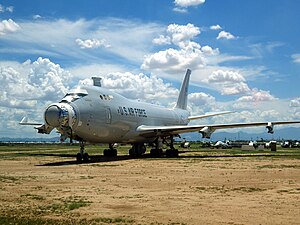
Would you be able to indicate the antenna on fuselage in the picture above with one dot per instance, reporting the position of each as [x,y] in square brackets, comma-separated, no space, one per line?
[97,81]
[182,98]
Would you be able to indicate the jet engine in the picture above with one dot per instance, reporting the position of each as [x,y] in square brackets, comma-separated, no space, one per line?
[270,128]
[206,132]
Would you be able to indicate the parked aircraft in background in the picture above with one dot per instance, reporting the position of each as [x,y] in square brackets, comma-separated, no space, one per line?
[97,115]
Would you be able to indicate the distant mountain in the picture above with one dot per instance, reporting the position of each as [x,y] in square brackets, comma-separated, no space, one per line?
[8,139]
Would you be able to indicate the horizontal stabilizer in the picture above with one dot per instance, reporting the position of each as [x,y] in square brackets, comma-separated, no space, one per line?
[208,115]
[25,121]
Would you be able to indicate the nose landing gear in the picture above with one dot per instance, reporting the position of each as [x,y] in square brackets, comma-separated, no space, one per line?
[82,156]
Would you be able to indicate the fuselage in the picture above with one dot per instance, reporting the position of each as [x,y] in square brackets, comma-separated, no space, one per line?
[98,115]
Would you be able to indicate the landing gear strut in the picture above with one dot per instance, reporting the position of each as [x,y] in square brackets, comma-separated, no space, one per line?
[172,152]
[111,151]
[157,150]
[82,155]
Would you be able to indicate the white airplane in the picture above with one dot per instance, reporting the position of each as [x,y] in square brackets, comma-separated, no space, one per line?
[97,115]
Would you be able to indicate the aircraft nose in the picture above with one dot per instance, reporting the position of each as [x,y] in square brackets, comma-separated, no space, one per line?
[52,116]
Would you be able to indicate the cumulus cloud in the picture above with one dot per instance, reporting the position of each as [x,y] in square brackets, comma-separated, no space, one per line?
[92,43]
[229,82]
[49,79]
[182,5]
[139,86]
[8,26]
[257,96]
[225,35]
[215,27]
[200,99]
[188,53]
[162,40]
[181,34]
[295,102]
[296,58]
[225,76]
[24,85]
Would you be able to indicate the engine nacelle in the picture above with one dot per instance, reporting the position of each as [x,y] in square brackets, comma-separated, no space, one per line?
[206,132]
[270,128]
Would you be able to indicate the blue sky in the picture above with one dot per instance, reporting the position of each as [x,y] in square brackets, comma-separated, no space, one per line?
[245,55]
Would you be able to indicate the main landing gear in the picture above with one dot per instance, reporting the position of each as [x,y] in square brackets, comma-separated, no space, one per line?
[111,151]
[82,156]
[137,149]
[157,151]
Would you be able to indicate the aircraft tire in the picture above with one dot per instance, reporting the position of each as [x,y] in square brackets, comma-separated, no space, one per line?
[131,152]
[85,157]
[156,153]
[172,153]
[110,152]
[78,157]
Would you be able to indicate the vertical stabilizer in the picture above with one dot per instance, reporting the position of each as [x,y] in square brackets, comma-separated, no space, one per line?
[182,98]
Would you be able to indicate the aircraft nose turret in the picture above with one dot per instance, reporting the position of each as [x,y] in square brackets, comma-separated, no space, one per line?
[60,115]
[52,116]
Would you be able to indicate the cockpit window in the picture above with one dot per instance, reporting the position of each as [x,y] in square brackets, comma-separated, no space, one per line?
[74,95]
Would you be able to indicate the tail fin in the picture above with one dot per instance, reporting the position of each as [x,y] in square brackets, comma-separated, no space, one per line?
[182,98]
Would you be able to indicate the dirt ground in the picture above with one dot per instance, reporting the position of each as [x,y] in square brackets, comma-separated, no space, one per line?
[188,190]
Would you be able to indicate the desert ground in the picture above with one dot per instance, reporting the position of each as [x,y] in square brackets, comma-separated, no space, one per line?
[43,184]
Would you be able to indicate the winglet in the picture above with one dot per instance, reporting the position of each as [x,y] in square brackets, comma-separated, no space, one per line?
[182,98]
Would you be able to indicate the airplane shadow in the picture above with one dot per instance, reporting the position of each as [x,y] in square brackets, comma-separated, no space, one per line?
[92,159]
[105,159]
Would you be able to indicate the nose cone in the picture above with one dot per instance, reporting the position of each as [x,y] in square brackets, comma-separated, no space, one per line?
[52,116]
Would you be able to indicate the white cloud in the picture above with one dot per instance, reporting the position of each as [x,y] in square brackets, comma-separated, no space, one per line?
[55,38]
[182,5]
[92,43]
[181,34]
[188,3]
[215,27]
[10,9]
[296,58]
[6,9]
[209,50]
[200,99]
[139,86]
[23,85]
[36,17]
[162,40]
[257,96]
[228,82]
[295,102]
[180,10]
[225,35]
[8,26]
[188,53]
[225,76]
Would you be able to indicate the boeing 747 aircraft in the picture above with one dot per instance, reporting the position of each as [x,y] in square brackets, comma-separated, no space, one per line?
[97,115]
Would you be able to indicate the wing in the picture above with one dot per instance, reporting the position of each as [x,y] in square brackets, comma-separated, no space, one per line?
[205,130]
